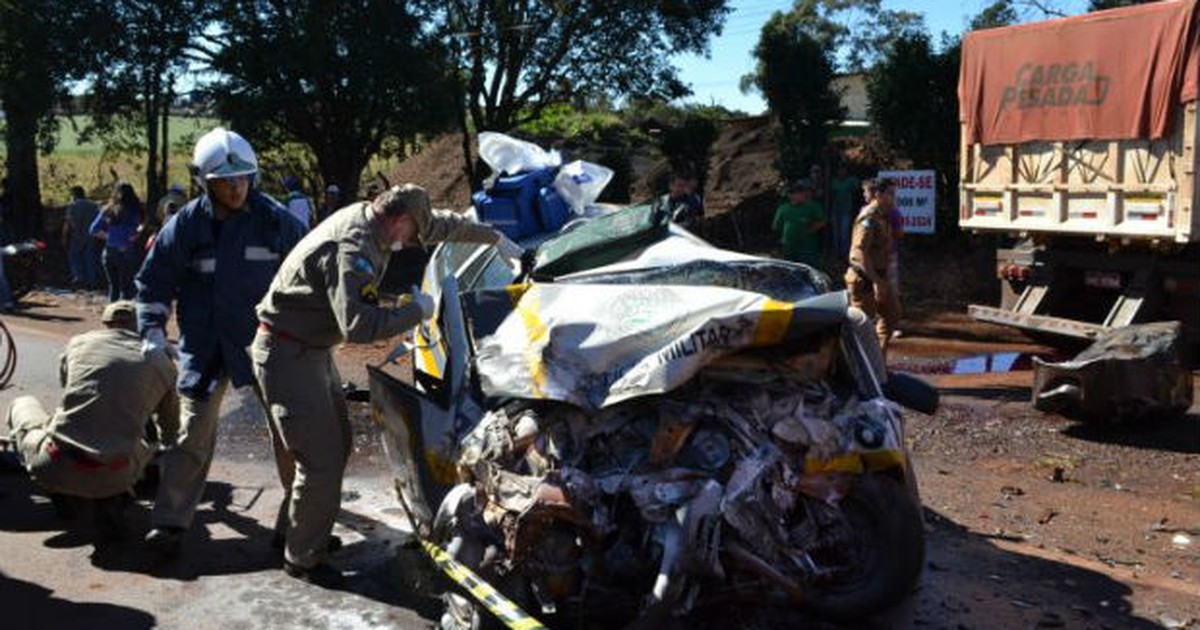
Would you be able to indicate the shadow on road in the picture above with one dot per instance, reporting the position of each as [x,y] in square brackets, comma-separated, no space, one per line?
[1178,435]
[24,313]
[997,393]
[25,508]
[249,552]
[28,605]
[385,567]
[969,579]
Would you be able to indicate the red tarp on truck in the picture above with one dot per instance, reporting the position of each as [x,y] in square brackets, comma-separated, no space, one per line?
[1107,75]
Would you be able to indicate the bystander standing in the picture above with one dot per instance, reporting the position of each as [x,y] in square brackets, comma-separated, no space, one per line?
[118,225]
[77,240]
[798,223]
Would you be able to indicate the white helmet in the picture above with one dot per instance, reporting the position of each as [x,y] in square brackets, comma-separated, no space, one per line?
[222,153]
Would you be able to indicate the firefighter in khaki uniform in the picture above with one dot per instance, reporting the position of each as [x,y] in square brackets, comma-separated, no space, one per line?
[867,276]
[92,446]
[326,293]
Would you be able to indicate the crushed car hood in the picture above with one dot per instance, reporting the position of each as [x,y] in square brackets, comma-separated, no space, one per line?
[594,345]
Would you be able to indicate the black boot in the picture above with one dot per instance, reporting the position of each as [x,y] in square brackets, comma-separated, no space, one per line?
[279,542]
[321,575]
[165,541]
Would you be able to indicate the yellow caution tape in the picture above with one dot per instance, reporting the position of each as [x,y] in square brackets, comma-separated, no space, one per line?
[502,607]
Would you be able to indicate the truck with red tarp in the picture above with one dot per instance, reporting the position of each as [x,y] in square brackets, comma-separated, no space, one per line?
[1079,142]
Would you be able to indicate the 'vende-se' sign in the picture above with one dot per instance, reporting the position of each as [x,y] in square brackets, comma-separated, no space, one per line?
[915,197]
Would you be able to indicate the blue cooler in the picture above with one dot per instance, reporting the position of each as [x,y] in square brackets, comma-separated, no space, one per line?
[512,205]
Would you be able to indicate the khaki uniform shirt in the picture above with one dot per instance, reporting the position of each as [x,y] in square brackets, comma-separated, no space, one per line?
[110,391]
[870,244]
[327,290]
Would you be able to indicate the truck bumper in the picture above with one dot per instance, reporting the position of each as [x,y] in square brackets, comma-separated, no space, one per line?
[1038,323]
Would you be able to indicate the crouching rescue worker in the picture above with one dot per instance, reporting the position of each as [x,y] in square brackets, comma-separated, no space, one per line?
[327,293]
[93,446]
[214,259]
[867,276]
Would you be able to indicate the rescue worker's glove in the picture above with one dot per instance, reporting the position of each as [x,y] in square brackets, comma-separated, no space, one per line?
[423,302]
[155,340]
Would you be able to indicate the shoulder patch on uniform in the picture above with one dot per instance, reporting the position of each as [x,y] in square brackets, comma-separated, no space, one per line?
[363,265]
[369,293]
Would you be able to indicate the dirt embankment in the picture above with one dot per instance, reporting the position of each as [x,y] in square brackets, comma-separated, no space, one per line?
[740,196]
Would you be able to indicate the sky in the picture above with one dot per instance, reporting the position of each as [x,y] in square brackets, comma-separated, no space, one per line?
[715,80]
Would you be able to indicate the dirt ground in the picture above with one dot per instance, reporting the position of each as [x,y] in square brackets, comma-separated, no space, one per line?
[1033,520]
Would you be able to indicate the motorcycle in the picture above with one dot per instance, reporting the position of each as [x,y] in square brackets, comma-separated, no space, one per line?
[717,433]
[22,263]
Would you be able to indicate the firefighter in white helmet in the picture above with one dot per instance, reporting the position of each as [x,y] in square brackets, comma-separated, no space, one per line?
[213,263]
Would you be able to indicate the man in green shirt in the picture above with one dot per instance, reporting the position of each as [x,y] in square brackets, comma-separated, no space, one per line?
[798,222]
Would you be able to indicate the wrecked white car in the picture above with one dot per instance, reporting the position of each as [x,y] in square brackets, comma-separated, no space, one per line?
[643,427]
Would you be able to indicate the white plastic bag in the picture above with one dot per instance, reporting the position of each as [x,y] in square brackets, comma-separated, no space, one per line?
[509,155]
[580,184]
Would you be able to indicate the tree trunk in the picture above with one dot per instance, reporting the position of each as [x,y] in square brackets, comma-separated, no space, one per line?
[164,175]
[152,191]
[468,159]
[21,163]
[342,169]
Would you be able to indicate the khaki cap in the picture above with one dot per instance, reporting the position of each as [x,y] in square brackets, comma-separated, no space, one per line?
[121,310]
[407,199]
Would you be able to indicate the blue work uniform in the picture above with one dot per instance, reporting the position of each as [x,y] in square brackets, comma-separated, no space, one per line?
[215,272]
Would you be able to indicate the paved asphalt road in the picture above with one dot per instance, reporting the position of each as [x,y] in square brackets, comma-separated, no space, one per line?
[52,576]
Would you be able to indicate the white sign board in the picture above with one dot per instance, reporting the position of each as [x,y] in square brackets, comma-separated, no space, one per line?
[915,196]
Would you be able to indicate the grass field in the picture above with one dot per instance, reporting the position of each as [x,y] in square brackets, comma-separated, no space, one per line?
[90,165]
[183,131]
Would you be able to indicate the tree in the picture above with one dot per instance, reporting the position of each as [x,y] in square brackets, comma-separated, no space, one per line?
[860,29]
[794,74]
[133,90]
[996,14]
[1097,5]
[339,77]
[518,56]
[913,93]
[43,45]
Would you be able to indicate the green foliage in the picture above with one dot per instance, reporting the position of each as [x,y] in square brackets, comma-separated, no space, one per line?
[1098,5]
[998,13]
[914,106]
[684,135]
[339,77]
[43,46]
[520,56]
[860,29]
[794,73]
[565,122]
[130,99]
